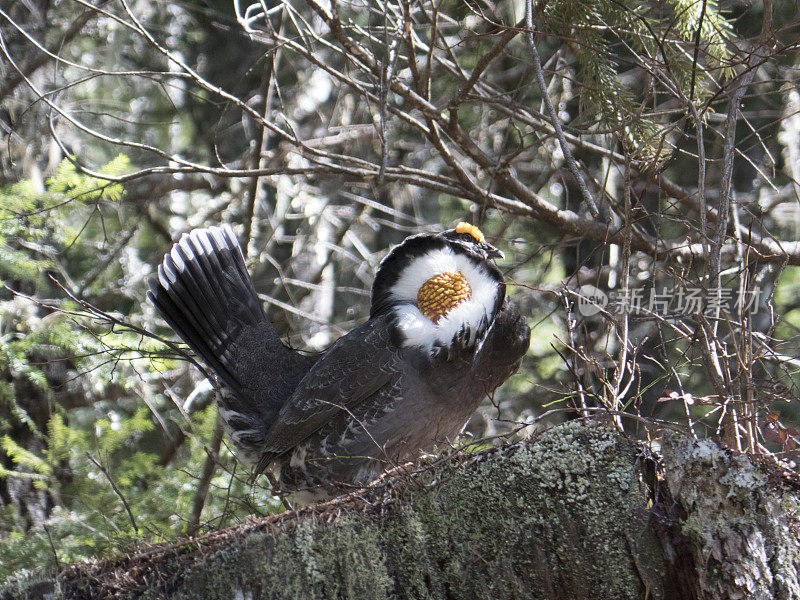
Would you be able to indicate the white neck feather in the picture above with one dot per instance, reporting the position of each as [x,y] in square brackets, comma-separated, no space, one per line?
[419,330]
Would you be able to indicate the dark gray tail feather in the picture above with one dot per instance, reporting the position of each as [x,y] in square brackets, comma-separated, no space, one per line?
[205,294]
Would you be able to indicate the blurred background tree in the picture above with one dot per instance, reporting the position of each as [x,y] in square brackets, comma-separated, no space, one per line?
[659,165]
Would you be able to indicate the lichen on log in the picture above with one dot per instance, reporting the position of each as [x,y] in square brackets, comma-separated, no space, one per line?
[741,521]
[579,512]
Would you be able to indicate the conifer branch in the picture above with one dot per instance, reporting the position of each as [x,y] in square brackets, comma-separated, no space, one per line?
[555,121]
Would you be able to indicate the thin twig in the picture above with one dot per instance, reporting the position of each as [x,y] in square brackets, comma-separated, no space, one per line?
[726,185]
[554,119]
[53,547]
[209,468]
[105,472]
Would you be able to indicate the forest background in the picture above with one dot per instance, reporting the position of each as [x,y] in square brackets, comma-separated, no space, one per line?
[647,153]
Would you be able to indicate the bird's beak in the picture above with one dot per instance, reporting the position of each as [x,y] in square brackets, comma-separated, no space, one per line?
[492,252]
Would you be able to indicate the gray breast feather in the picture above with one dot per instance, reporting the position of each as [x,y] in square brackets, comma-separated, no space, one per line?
[427,403]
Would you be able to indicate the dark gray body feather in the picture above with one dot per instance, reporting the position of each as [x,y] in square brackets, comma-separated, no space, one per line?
[425,402]
[367,404]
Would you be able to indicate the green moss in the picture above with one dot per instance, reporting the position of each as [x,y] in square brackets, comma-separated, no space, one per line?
[562,516]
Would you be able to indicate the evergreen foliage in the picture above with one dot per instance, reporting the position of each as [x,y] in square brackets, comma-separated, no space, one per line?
[71,391]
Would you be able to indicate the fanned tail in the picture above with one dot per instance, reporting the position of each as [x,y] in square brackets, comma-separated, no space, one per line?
[204,292]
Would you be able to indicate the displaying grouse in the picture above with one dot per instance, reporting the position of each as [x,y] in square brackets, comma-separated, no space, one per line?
[440,337]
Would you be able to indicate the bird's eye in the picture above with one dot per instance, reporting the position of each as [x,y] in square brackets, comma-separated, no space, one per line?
[472,231]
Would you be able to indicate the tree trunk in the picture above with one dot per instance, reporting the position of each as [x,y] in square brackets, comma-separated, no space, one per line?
[581,512]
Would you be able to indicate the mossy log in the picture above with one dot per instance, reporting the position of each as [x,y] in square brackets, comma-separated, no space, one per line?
[580,512]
